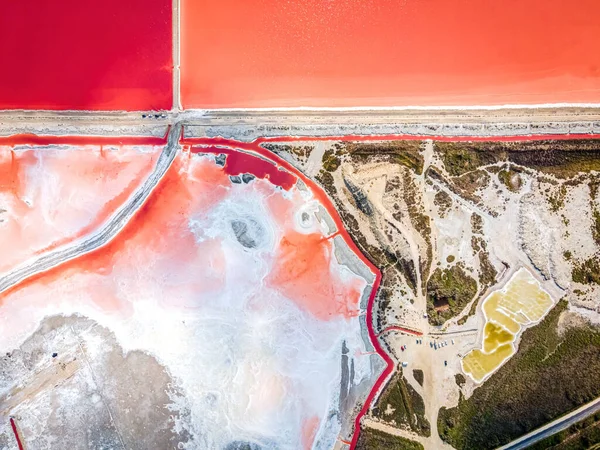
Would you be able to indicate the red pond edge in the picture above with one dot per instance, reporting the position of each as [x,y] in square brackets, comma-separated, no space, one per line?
[280,178]
[240,162]
[415,137]
[13,425]
[35,139]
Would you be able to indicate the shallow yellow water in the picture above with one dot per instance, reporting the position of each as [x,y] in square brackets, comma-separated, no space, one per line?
[521,303]
[495,336]
[479,364]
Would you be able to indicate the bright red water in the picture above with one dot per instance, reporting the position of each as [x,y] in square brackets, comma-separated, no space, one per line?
[267,53]
[238,163]
[35,139]
[91,55]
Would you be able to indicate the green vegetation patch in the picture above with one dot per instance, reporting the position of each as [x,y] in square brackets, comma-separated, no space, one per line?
[419,220]
[471,312]
[443,201]
[550,375]
[557,199]
[448,292]
[460,380]
[510,178]
[406,153]
[418,374]
[326,180]
[596,226]
[412,198]
[331,161]
[587,272]
[468,184]
[460,158]
[370,439]
[400,404]
[476,223]
[487,271]
[561,158]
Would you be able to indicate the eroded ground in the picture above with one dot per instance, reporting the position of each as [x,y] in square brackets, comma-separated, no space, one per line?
[449,223]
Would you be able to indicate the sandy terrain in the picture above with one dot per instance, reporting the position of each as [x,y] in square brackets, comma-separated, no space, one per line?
[520,228]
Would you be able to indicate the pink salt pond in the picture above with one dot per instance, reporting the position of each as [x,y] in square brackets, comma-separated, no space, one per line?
[243,285]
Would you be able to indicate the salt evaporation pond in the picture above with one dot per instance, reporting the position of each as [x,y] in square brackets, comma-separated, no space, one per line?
[344,53]
[507,312]
[243,286]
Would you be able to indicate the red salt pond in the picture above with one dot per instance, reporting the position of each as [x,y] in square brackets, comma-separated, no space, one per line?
[39,140]
[271,53]
[92,55]
[238,163]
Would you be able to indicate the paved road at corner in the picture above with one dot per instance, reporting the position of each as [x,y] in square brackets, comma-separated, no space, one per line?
[554,427]
[110,229]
